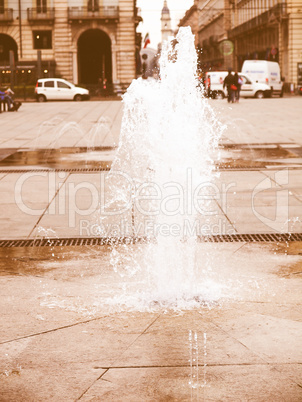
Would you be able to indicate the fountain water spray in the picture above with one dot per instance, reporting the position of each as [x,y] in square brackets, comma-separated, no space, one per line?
[160,174]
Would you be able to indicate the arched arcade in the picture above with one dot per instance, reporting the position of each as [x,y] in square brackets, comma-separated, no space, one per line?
[94,57]
[7,43]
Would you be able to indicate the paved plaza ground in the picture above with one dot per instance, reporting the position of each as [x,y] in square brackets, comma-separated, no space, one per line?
[68,327]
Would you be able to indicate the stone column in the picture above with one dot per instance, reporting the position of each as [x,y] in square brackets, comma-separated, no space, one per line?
[114,64]
[126,42]
[75,78]
[62,40]
[295,40]
[229,60]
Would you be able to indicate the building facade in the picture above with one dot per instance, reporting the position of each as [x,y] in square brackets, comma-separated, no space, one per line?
[209,25]
[211,33]
[267,30]
[191,19]
[231,31]
[83,41]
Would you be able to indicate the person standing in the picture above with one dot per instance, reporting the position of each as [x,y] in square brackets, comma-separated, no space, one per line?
[209,92]
[237,82]
[229,84]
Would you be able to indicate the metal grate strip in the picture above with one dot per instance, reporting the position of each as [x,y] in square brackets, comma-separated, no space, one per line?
[105,241]
[69,170]
[107,169]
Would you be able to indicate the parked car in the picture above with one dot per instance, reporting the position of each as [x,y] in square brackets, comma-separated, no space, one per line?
[266,72]
[59,89]
[249,88]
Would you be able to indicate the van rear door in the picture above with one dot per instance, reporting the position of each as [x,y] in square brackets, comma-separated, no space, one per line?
[274,76]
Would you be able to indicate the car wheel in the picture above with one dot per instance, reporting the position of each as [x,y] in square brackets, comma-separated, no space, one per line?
[259,95]
[78,98]
[41,98]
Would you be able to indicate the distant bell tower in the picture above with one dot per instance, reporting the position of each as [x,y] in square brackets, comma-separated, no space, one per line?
[166,30]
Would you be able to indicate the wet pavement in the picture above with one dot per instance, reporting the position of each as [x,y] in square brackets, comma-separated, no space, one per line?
[231,156]
[261,156]
[72,328]
[67,158]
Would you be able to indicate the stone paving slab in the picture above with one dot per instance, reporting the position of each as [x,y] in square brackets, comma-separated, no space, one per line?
[270,121]
[262,383]
[68,201]
[48,384]
[58,124]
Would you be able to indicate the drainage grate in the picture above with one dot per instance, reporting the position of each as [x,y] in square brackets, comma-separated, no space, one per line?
[252,238]
[69,170]
[105,241]
[77,241]
[265,166]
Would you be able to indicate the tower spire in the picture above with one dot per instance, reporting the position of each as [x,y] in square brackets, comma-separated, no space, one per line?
[166,30]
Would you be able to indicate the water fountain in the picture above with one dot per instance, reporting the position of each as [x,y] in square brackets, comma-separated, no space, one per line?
[159,178]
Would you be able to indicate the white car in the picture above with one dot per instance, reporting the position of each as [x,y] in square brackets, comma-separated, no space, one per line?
[59,89]
[249,88]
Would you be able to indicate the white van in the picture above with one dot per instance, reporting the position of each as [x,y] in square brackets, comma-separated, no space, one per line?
[59,89]
[266,72]
[249,88]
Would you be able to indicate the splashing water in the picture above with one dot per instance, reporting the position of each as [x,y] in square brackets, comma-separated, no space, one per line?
[100,133]
[194,362]
[158,179]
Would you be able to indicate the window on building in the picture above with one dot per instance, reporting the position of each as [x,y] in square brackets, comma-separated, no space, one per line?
[41,6]
[93,5]
[42,40]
